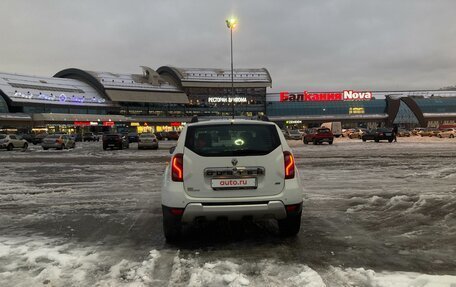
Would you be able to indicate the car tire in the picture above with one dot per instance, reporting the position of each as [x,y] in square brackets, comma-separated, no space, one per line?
[172,226]
[451,136]
[9,147]
[440,136]
[377,141]
[45,148]
[290,226]
[25,146]
[315,142]
[390,140]
[306,141]
[330,142]
[364,140]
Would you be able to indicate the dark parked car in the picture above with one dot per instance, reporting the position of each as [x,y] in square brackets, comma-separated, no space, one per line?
[378,134]
[28,137]
[160,135]
[133,137]
[90,137]
[318,136]
[115,141]
[173,135]
[38,139]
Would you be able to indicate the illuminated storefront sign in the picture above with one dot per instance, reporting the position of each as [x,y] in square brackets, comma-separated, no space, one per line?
[355,110]
[227,100]
[175,124]
[58,98]
[134,124]
[293,122]
[108,124]
[94,123]
[81,124]
[347,95]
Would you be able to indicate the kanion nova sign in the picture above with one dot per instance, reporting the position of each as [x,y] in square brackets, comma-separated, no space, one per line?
[347,95]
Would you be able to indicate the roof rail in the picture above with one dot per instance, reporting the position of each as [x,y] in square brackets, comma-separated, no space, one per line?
[194,119]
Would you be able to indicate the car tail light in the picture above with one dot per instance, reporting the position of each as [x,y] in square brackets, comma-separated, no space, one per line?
[177,167]
[289,165]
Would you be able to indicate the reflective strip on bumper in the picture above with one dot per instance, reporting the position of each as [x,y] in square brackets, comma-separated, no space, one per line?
[273,209]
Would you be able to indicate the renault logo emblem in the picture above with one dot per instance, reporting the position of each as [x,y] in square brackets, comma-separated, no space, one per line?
[234,161]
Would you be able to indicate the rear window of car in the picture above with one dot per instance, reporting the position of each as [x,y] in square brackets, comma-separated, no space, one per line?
[2,137]
[323,131]
[232,139]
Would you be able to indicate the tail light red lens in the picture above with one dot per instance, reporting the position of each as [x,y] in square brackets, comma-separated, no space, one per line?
[289,165]
[177,167]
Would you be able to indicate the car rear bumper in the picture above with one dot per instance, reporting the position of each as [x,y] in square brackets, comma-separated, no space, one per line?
[234,211]
[147,145]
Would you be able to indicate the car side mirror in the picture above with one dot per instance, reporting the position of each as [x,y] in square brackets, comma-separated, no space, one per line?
[172,149]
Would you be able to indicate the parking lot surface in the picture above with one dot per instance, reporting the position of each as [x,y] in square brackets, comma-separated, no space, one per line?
[375,214]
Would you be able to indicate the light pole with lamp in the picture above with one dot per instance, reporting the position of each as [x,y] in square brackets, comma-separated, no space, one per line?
[231,24]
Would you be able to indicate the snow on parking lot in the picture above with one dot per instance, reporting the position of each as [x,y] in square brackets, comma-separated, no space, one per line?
[375,215]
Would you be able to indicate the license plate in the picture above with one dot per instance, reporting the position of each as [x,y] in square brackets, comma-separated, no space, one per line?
[233,183]
[387,134]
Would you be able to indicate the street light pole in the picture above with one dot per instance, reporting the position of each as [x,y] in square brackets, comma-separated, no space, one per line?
[232,75]
[231,23]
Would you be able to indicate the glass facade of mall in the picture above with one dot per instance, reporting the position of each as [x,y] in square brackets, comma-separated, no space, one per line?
[166,99]
[325,108]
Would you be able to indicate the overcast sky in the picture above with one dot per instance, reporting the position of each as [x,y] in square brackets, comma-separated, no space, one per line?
[305,45]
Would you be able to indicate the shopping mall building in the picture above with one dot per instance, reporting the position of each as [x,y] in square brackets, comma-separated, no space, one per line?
[76,100]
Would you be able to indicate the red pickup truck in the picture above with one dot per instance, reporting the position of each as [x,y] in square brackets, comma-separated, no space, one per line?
[318,136]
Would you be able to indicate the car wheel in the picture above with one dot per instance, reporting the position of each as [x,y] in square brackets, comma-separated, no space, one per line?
[45,148]
[364,140]
[390,140]
[306,141]
[121,146]
[104,147]
[451,136]
[376,140]
[315,142]
[25,146]
[62,147]
[172,225]
[330,142]
[9,147]
[440,136]
[291,225]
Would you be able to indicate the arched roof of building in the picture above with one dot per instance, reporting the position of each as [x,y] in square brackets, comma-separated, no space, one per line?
[148,87]
[44,90]
[207,77]
[3,104]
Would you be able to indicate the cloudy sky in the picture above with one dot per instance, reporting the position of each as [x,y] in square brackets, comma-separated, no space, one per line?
[306,45]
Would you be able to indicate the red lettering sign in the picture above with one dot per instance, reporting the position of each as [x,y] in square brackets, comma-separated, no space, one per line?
[176,124]
[108,124]
[81,124]
[347,95]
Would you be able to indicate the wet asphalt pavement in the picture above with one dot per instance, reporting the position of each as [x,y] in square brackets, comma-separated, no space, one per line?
[384,207]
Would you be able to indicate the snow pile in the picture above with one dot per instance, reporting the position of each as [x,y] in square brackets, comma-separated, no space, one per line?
[191,272]
[362,277]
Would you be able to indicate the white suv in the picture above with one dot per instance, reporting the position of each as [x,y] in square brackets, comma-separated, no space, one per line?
[10,142]
[232,169]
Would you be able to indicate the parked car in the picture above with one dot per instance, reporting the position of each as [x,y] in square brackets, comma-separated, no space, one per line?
[147,141]
[132,137]
[58,141]
[429,132]
[447,133]
[318,136]
[39,138]
[173,135]
[357,133]
[292,135]
[347,132]
[334,127]
[160,135]
[378,134]
[403,133]
[416,131]
[115,141]
[10,142]
[232,169]
[90,137]
[28,137]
